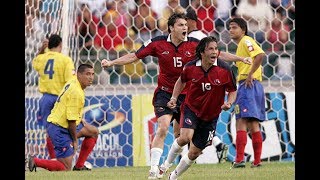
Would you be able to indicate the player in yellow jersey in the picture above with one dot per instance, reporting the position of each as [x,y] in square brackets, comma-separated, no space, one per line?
[250,102]
[54,69]
[65,125]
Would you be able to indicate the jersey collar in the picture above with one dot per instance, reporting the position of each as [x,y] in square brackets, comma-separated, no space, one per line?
[198,63]
[169,38]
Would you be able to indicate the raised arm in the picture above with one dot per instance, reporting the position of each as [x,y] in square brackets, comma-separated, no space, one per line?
[43,46]
[178,87]
[126,59]
[231,58]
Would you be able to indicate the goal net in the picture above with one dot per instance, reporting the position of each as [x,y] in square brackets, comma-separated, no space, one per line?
[119,102]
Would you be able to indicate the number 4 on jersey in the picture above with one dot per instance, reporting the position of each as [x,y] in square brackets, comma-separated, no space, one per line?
[48,69]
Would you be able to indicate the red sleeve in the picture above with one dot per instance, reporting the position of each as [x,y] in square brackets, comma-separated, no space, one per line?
[184,74]
[146,49]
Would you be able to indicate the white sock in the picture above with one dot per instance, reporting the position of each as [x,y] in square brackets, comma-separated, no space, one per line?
[183,165]
[185,150]
[174,151]
[216,141]
[155,158]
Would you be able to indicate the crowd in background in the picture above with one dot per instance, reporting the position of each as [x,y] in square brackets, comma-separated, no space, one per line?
[110,28]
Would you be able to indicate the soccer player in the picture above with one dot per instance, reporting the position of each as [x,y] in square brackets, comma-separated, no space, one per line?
[193,31]
[65,126]
[250,102]
[211,78]
[54,69]
[173,52]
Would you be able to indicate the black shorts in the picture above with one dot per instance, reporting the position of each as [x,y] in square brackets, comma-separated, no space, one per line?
[204,131]
[160,100]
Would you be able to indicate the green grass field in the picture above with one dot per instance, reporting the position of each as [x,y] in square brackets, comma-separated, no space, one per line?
[269,170]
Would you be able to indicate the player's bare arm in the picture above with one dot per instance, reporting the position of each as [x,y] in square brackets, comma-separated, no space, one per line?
[84,122]
[126,59]
[178,87]
[44,46]
[230,100]
[255,65]
[72,127]
[232,57]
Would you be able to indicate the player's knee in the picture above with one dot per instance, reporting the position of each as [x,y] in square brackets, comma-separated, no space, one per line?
[161,133]
[162,130]
[254,128]
[183,140]
[241,125]
[91,131]
[95,131]
[193,154]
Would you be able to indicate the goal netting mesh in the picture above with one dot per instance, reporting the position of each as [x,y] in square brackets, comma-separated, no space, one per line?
[119,101]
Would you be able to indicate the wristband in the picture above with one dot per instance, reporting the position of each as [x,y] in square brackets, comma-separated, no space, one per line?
[173,98]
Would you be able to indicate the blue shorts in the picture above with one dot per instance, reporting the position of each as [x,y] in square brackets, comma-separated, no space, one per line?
[250,102]
[204,131]
[46,104]
[61,139]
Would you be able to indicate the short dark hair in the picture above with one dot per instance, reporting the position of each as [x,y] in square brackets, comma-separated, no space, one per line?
[191,14]
[54,41]
[241,22]
[173,19]
[203,44]
[83,67]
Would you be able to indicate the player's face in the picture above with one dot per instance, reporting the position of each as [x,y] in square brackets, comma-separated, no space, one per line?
[235,31]
[180,29]
[210,53]
[189,23]
[86,78]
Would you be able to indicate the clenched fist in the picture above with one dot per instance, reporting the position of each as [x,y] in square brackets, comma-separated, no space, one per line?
[172,103]
[45,43]
[247,60]
[226,106]
[106,63]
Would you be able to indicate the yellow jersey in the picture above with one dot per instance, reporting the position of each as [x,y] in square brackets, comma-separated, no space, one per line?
[69,105]
[54,70]
[248,47]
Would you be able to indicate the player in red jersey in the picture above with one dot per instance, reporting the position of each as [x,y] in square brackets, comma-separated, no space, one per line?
[173,52]
[211,79]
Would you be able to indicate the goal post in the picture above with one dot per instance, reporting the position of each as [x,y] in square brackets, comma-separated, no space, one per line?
[119,102]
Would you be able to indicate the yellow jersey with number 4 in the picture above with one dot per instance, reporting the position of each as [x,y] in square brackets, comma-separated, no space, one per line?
[54,70]
[248,47]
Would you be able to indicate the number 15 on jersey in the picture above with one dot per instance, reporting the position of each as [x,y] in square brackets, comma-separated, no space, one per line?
[177,61]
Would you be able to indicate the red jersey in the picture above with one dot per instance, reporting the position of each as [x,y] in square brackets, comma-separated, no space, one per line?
[171,58]
[207,90]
